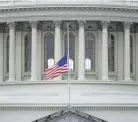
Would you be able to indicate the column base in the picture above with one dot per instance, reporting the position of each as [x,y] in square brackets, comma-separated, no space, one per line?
[33,79]
[11,80]
[105,79]
[81,78]
[128,79]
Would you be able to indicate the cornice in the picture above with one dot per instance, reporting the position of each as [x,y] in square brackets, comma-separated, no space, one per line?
[66,8]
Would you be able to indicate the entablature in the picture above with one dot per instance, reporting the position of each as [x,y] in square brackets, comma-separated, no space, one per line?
[89,12]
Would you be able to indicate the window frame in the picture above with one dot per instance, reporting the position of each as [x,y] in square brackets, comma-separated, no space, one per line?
[43,49]
[28,73]
[24,52]
[96,52]
[75,53]
[6,75]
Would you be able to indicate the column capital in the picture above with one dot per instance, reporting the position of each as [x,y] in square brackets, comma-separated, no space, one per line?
[105,24]
[33,24]
[11,25]
[81,22]
[127,25]
[57,22]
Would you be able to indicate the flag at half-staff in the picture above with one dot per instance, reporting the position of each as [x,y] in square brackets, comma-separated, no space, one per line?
[61,67]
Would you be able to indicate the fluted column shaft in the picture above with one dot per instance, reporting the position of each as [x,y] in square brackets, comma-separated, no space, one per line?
[12,51]
[34,52]
[127,51]
[105,50]
[81,55]
[58,44]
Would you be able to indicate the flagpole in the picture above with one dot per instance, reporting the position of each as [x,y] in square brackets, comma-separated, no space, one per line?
[68,65]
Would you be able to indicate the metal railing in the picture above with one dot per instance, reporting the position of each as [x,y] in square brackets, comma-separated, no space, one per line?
[60,2]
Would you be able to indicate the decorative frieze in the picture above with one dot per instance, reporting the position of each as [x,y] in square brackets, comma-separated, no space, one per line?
[66,8]
[40,25]
[2,27]
[26,27]
[119,26]
[19,26]
[90,108]
[73,26]
[99,27]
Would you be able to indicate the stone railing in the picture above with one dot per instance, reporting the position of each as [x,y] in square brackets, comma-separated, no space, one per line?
[62,2]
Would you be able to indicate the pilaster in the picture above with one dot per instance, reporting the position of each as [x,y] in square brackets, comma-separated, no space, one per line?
[127,51]
[58,44]
[81,55]
[39,38]
[99,54]
[12,51]
[34,58]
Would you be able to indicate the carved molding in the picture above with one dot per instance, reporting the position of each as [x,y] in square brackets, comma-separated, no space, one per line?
[33,24]
[11,25]
[67,8]
[105,24]
[57,23]
[119,26]
[43,108]
[127,25]
[81,23]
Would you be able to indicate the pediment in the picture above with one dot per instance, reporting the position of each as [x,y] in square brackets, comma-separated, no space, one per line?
[69,115]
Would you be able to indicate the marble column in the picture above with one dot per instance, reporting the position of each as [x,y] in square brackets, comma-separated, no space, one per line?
[34,52]
[104,74]
[127,51]
[12,51]
[120,58]
[18,55]
[99,45]
[81,52]
[39,42]
[58,44]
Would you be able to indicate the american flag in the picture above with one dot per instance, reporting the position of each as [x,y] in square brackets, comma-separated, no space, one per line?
[61,67]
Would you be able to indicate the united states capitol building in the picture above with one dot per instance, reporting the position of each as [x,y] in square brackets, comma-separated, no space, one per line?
[103,64]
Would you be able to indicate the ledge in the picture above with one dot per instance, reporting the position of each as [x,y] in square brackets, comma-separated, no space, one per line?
[132,83]
[109,107]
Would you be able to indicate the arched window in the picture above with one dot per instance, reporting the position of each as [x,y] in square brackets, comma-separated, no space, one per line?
[7,55]
[50,62]
[71,50]
[111,53]
[71,65]
[88,64]
[48,50]
[90,52]
[28,48]
[131,54]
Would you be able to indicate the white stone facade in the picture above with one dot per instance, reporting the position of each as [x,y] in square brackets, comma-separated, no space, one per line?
[108,90]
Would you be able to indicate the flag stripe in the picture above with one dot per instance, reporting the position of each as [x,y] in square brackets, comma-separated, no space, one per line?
[57,69]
